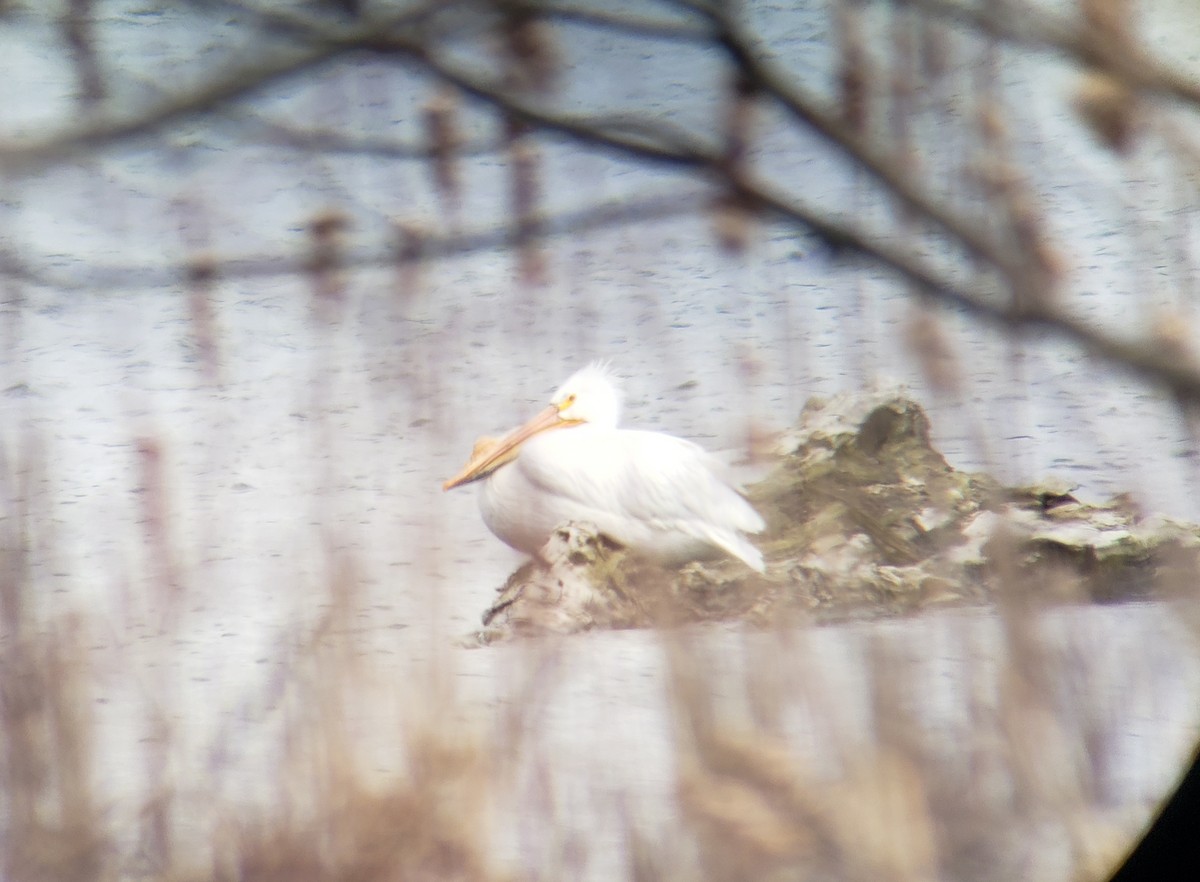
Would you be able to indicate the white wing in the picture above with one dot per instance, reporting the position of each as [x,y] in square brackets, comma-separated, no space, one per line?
[644,489]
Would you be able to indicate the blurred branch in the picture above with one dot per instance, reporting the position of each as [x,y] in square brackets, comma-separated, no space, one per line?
[1037,29]
[332,142]
[677,147]
[30,156]
[676,30]
[417,37]
[436,246]
[646,140]
[231,84]
[898,179]
[78,31]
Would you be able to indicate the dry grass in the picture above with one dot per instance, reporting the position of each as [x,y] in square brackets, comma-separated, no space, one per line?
[894,800]
[326,767]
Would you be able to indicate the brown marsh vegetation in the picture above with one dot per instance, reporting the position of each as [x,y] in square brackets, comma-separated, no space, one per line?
[328,765]
[751,754]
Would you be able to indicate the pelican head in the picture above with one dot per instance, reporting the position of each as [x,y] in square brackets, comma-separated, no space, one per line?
[591,395]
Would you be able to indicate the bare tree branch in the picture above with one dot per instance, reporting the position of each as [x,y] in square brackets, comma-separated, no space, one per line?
[707,160]
[98,277]
[231,84]
[333,142]
[79,33]
[674,30]
[418,37]
[1038,30]
[893,175]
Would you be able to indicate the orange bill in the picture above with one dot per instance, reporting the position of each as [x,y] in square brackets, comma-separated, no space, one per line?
[491,453]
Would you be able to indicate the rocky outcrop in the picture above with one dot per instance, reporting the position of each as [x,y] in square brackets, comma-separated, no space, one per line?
[864,518]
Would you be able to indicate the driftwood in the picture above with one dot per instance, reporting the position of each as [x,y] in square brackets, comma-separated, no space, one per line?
[864,518]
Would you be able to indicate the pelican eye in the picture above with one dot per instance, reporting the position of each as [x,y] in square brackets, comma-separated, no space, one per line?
[567,402]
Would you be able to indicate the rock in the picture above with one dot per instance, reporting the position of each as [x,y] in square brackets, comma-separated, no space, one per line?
[577,584]
[864,518]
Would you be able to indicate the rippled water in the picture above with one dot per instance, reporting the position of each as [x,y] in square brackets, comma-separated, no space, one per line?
[324,442]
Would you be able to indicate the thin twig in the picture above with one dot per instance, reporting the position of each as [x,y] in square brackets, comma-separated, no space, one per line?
[231,84]
[805,108]
[98,277]
[1036,29]
[334,142]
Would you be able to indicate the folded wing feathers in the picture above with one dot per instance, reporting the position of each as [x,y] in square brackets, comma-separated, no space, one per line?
[680,490]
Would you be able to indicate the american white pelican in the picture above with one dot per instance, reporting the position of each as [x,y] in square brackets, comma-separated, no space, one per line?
[652,492]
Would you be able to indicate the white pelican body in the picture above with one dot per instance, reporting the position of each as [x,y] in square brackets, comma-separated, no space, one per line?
[652,492]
